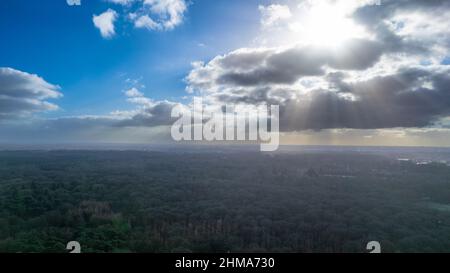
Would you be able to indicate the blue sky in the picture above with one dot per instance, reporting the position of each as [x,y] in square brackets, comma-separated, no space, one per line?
[60,43]
[347,72]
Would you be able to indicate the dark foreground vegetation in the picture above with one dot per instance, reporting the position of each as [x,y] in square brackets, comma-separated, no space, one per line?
[219,202]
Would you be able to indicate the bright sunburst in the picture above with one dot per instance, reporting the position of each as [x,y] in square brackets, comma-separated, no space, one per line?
[326,24]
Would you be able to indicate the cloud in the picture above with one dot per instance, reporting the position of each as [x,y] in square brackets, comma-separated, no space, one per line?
[73,2]
[412,97]
[105,23]
[161,15]
[370,87]
[273,14]
[148,112]
[262,66]
[148,122]
[167,14]
[133,93]
[153,114]
[408,25]
[22,93]
[377,82]
[121,2]
[81,129]
[422,137]
[145,21]
[137,97]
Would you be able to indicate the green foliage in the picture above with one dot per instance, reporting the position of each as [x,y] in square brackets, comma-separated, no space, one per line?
[206,202]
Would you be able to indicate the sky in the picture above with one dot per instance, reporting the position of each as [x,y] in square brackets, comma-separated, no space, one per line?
[344,72]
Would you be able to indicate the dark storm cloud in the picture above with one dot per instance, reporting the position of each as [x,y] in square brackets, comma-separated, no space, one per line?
[271,67]
[254,96]
[287,66]
[355,54]
[22,93]
[243,59]
[154,115]
[410,98]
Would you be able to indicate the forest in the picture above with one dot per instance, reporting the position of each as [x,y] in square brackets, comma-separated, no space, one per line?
[237,201]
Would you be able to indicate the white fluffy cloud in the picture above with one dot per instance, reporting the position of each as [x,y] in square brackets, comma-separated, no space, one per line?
[272,14]
[22,93]
[169,12]
[121,2]
[73,2]
[137,97]
[133,93]
[145,21]
[161,15]
[105,23]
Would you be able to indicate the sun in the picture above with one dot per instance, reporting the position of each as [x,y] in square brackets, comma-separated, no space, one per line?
[327,24]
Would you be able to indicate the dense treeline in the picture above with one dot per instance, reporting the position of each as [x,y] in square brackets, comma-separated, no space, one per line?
[220,202]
